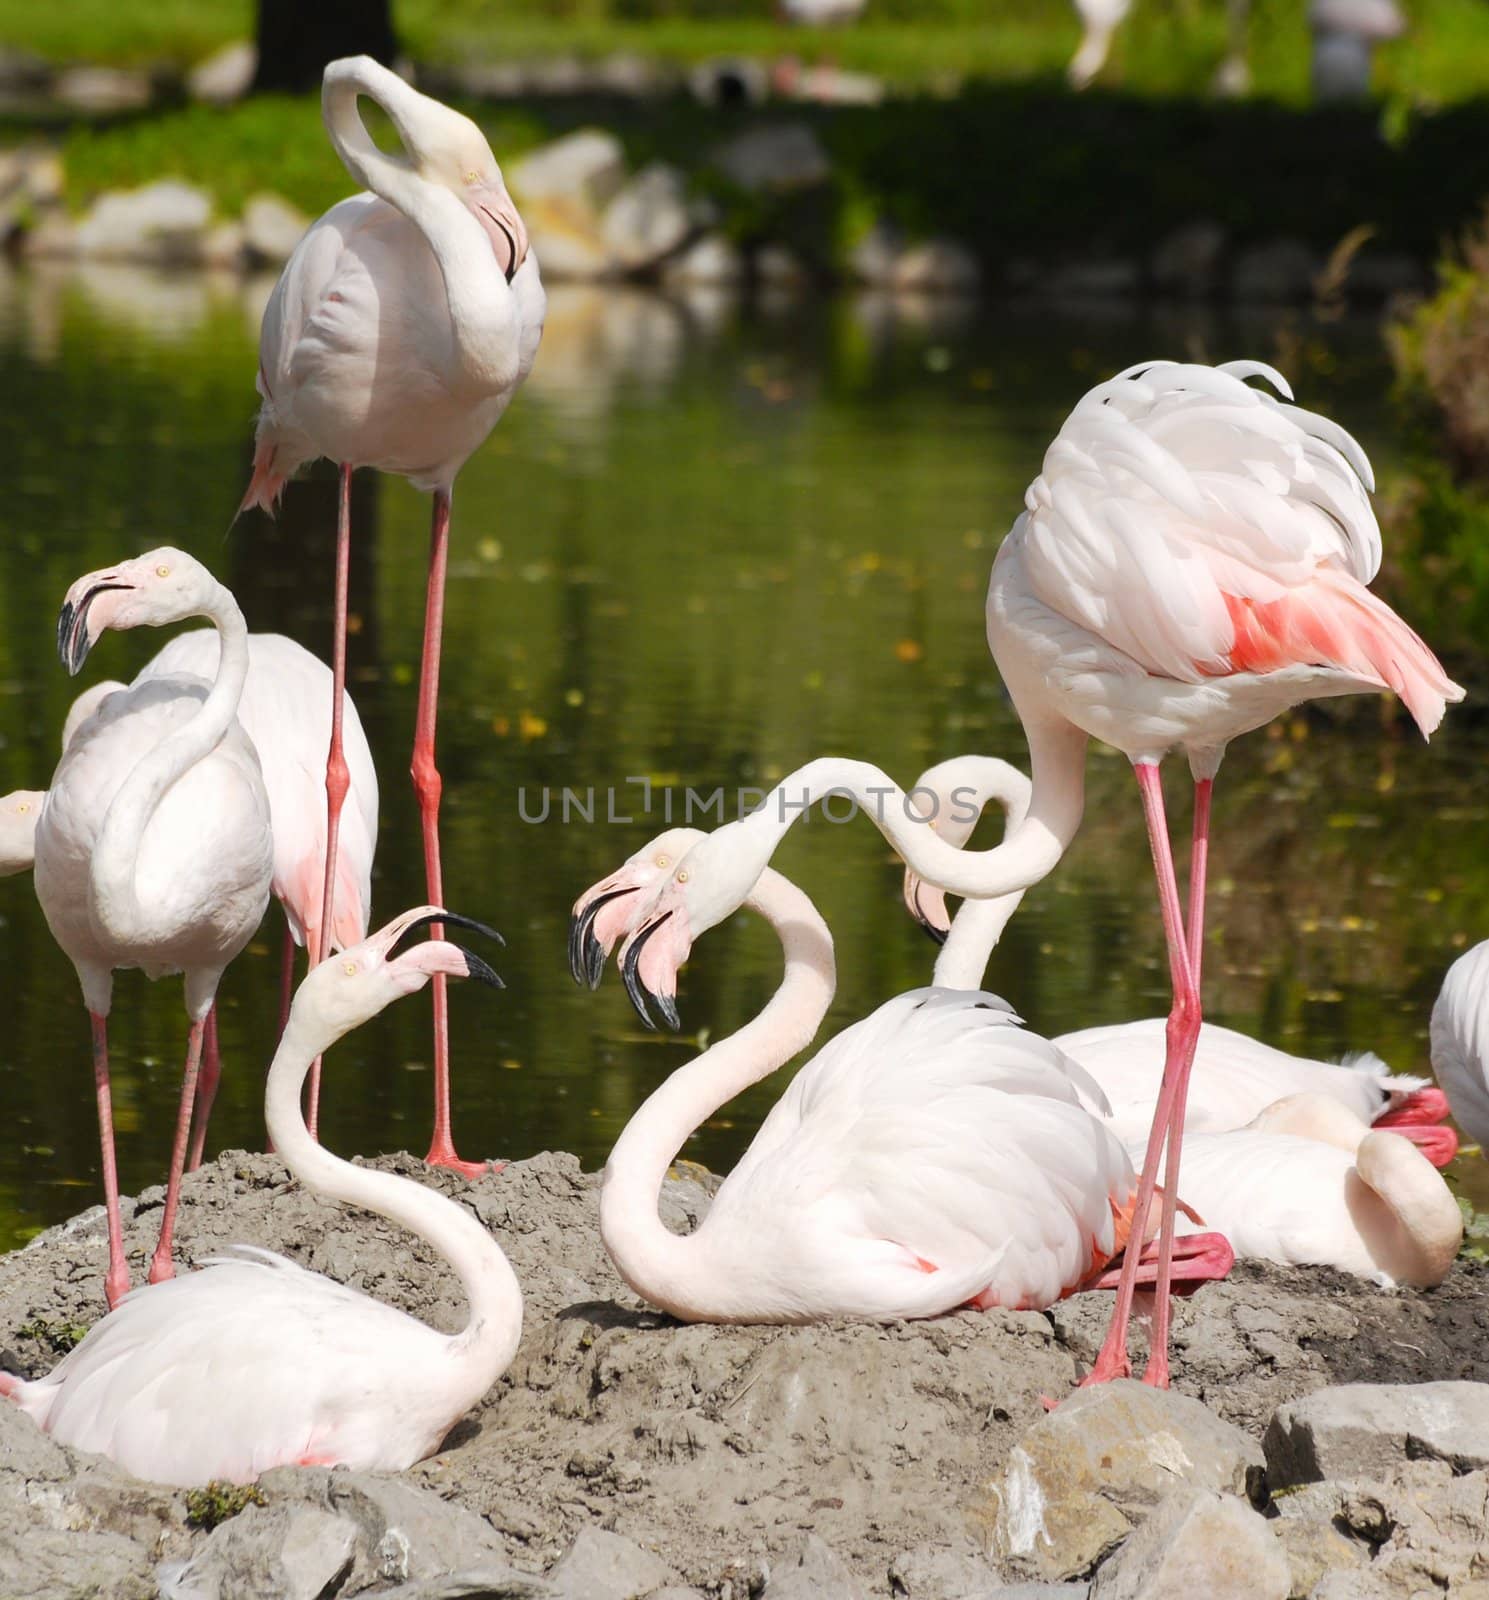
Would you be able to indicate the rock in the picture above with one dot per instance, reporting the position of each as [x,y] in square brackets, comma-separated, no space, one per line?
[604,1566]
[226,75]
[1282,271]
[1363,1430]
[54,235]
[1035,1591]
[713,259]
[278,1552]
[1197,1542]
[165,221]
[649,218]
[480,1583]
[779,268]
[1113,279]
[587,167]
[487,80]
[931,1572]
[1313,1539]
[223,246]
[71,1563]
[730,81]
[776,160]
[1186,263]
[100,91]
[872,259]
[1084,1475]
[939,266]
[272,227]
[811,1570]
[19,69]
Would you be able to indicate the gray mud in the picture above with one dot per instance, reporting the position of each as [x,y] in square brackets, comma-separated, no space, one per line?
[717,1448]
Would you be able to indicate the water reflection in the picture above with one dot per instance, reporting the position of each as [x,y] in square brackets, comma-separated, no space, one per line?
[709,541]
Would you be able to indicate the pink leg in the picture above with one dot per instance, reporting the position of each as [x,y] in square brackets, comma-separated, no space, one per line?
[161,1266]
[1199,866]
[428,787]
[1182,1033]
[206,1092]
[314,952]
[116,1280]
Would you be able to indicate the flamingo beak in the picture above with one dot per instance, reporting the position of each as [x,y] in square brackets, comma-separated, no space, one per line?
[437,955]
[927,906]
[589,945]
[493,209]
[75,638]
[650,970]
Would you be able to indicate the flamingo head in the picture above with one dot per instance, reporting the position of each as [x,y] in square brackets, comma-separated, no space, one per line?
[710,883]
[159,587]
[352,986]
[18,813]
[603,913]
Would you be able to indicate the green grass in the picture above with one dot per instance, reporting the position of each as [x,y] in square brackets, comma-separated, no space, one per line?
[1166,46]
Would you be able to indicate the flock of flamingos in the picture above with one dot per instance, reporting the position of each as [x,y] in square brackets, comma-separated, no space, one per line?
[1192,560]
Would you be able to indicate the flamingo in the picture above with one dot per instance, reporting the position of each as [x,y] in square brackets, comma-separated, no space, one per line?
[932,1155]
[1100,20]
[1308,1183]
[153,847]
[396,336]
[1460,1041]
[1234,1077]
[1192,561]
[320,1374]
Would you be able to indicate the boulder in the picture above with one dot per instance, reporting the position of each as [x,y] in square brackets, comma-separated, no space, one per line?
[605,1566]
[1197,1542]
[649,218]
[812,1570]
[586,168]
[774,160]
[713,259]
[492,1582]
[1086,1474]
[1364,1430]
[163,222]
[223,245]
[101,91]
[71,1563]
[939,266]
[272,227]
[225,75]
[286,1551]
[932,1572]
[1315,1539]
[1280,272]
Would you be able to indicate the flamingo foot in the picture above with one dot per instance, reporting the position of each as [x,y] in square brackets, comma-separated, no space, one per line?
[444,1156]
[1110,1363]
[1198,1258]
[161,1269]
[116,1284]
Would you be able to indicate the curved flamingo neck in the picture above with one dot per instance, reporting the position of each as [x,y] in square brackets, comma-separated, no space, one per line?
[658,1264]
[482,307]
[490,1337]
[114,903]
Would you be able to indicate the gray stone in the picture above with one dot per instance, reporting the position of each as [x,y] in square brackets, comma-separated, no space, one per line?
[939,266]
[779,268]
[226,75]
[70,1563]
[272,227]
[675,1592]
[1197,1542]
[1187,261]
[1084,1475]
[100,91]
[278,1552]
[223,245]
[26,1453]
[713,259]
[1114,279]
[777,159]
[873,258]
[629,73]
[1034,1591]
[1315,1538]
[1282,271]
[587,167]
[932,1572]
[730,80]
[649,218]
[1363,1430]
[163,222]
[811,1570]
[491,1582]
[604,1566]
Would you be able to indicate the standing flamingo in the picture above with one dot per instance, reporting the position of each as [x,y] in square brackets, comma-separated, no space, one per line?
[1460,1041]
[1234,1077]
[1192,561]
[395,338]
[931,1155]
[254,1362]
[153,847]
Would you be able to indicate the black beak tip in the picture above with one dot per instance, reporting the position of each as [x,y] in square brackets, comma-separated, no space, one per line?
[936,935]
[577,964]
[477,969]
[667,1005]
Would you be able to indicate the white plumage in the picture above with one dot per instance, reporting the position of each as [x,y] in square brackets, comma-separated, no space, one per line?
[1460,1041]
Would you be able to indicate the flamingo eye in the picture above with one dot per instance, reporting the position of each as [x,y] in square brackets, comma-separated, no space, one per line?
[162,572]
[661,861]
[23,808]
[349,968]
[682,877]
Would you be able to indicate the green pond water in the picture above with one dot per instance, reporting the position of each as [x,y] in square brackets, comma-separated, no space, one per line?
[706,544]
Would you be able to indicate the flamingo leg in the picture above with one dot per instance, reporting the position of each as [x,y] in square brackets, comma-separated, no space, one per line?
[161,1265]
[1199,866]
[286,979]
[1181,1036]
[206,1092]
[428,787]
[314,952]
[116,1279]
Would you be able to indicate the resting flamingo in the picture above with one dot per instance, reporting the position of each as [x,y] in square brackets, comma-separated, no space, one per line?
[1460,1041]
[932,1155]
[1234,1077]
[397,335]
[317,1374]
[1192,561]
[153,847]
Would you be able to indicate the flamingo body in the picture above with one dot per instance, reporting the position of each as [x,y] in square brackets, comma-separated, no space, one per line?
[1460,1041]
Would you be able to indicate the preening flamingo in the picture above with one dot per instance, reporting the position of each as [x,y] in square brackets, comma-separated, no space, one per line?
[395,338]
[253,1362]
[1307,1183]
[1234,1077]
[153,847]
[286,711]
[1460,1041]
[932,1155]
[1192,561]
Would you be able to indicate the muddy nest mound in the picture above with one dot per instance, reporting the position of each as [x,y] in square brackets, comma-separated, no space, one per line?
[716,1450]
